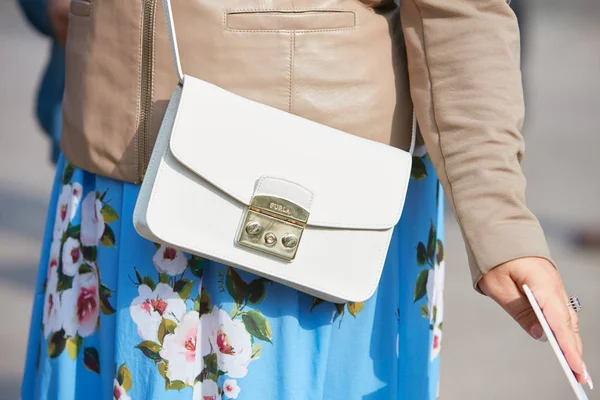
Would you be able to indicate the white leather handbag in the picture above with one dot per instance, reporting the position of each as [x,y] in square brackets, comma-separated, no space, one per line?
[222,184]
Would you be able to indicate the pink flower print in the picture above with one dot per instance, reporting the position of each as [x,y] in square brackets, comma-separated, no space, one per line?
[72,257]
[92,221]
[81,305]
[170,261]
[181,351]
[152,306]
[231,388]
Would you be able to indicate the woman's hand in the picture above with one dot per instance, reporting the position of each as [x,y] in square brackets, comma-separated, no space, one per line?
[58,14]
[504,284]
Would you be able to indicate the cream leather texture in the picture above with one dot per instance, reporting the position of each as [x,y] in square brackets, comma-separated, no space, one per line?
[195,200]
[337,62]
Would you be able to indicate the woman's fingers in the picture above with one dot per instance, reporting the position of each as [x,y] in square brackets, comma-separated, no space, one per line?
[558,314]
[504,283]
[575,327]
[507,294]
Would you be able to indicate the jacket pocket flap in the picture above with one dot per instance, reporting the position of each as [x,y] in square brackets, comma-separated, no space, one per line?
[309,20]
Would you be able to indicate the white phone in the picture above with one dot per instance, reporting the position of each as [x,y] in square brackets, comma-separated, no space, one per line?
[577,388]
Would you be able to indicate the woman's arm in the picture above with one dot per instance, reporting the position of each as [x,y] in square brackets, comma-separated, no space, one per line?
[466,85]
[463,62]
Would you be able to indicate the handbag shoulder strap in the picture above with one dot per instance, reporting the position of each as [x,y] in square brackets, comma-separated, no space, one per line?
[173,39]
[177,61]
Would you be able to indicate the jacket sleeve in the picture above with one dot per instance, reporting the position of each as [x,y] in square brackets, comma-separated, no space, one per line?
[464,70]
[36,13]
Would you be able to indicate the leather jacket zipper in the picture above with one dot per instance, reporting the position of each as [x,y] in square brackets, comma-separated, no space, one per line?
[147,82]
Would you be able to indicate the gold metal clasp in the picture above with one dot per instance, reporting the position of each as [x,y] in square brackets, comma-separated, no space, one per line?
[273,225]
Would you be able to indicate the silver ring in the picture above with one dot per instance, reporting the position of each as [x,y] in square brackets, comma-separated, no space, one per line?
[574,303]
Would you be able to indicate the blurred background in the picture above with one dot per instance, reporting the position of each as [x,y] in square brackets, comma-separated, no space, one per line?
[485,355]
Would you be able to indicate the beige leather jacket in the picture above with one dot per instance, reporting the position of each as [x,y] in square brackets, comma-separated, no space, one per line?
[350,64]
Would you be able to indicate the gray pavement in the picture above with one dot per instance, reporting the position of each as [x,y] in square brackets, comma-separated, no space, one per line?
[485,355]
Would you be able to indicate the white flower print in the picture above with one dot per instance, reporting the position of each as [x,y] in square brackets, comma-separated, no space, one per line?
[231,388]
[54,257]
[181,351]
[435,292]
[92,221]
[151,306]
[63,212]
[436,342]
[72,257]
[119,393]
[435,301]
[51,318]
[76,193]
[81,305]
[170,261]
[232,343]
[206,390]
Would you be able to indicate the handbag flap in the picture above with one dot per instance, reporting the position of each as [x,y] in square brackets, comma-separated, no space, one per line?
[232,142]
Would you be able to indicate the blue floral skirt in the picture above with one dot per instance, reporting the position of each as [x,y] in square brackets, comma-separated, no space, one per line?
[118,317]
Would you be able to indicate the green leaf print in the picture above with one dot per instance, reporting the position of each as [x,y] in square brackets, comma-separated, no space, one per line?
[421,285]
[68,174]
[355,308]
[150,350]
[108,213]
[257,325]
[166,327]
[256,291]
[197,266]
[419,170]
[163,278]
[183,287]
[340,308]
[73,231]
[176,385]
[73,346]
[256,351]
[64,282]
[162,370]
[85,269]
[439,257]
[140,281]
[108,237]
[124,378]
[315,302]
[101,196]
[211,367]
[91,359]
[202,303]
[56,344]
[421,254]
[90,253]
[424,311]
[236,287]
[431,242]
[148,282]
